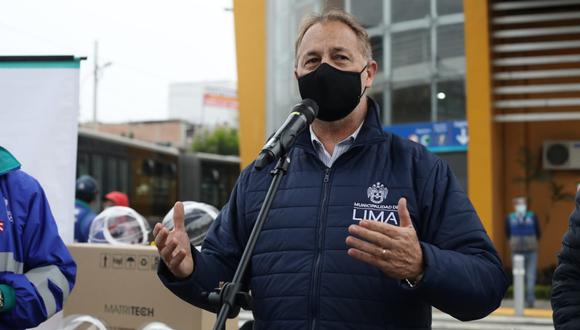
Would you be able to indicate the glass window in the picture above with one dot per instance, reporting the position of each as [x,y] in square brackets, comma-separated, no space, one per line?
[451,99]
[302,11]
[410,47]
[213,189]
[123,175]
[83,164]
[458,163]
[97,169]
[405,10]
[450,41]
[369,12]
[378,96]
[377,49]
[111,175]
[411,102]
[97,173]
[445,7]
[333,4]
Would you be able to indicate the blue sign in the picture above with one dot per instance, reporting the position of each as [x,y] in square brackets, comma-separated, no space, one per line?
[441,136]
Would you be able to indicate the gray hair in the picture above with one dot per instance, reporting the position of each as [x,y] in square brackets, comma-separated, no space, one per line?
[336,15]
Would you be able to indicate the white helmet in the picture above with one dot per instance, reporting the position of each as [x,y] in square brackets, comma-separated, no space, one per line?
[198,218]
[119,225]
[83,322]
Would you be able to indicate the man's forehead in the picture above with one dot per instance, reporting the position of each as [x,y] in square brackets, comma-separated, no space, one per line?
[320,47]
[329,35]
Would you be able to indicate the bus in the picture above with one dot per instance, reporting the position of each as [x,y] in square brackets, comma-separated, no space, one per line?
[154,176]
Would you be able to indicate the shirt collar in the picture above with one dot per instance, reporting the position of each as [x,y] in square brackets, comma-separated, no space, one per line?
[370,132]
[349,139]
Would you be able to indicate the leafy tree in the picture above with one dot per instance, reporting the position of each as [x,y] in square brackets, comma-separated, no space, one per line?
[221,140]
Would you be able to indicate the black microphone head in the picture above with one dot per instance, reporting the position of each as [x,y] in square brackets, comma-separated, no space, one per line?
[307,107]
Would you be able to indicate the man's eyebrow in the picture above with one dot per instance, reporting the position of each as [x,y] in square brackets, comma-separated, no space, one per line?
[312,53]
[339,49]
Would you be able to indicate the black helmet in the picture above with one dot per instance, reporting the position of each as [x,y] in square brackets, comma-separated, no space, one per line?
[86,188]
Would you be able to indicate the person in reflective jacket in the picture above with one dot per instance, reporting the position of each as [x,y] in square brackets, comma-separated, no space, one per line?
[37,273]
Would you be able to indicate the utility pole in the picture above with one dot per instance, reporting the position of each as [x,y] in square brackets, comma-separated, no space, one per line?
[95,83]
[97,71]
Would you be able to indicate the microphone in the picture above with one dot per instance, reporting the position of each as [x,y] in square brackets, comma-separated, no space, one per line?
[280,143]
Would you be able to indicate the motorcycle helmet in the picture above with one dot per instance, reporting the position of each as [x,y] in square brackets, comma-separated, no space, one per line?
[83,322]
[119,225]
[198,218]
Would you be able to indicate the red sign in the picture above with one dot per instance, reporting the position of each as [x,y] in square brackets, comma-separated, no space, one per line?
[220,101]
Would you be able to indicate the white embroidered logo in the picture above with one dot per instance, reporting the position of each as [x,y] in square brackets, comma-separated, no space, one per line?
[8,212]
[377,193]
[376,210]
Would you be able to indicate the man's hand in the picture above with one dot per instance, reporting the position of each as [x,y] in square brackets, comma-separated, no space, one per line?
[174,246]
[394,250]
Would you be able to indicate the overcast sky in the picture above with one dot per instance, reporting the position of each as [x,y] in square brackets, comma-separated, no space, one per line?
[150,44]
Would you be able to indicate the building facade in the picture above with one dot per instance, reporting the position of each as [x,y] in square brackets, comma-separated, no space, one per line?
[418,45]
[206,104]
[499,79]
[523,93]
[174,133]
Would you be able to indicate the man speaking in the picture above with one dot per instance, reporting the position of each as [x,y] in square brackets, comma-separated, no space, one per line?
[367,231]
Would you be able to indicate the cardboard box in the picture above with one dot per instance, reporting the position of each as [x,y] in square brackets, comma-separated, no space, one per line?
[119,285]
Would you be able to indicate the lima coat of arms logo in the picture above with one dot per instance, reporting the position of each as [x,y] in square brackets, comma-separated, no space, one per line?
[377,193]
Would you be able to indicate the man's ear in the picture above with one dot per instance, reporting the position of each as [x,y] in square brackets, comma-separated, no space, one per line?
[296,74]
[371,71]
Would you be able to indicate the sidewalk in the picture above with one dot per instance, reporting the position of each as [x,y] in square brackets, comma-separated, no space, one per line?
[542,308]
[539,318]
[442,321]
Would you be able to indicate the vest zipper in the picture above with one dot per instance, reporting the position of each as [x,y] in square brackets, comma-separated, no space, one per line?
[319,247]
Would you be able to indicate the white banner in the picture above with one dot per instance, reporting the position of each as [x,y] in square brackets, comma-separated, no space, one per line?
[39,110]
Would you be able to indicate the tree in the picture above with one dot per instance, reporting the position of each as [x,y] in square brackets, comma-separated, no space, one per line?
[221,140]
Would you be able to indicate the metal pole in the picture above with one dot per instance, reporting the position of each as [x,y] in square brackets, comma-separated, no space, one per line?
[433,24]
[234,287]
[387,65]
[519,273]
[95,83]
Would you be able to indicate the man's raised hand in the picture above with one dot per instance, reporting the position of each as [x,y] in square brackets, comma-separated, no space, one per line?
[174,246]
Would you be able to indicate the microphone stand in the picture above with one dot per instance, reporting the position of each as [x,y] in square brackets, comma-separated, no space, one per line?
[230,296]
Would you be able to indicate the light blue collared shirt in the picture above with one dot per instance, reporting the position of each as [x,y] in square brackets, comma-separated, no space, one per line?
[339,149]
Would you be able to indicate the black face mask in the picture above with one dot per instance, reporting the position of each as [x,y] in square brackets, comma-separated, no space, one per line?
[336,92]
